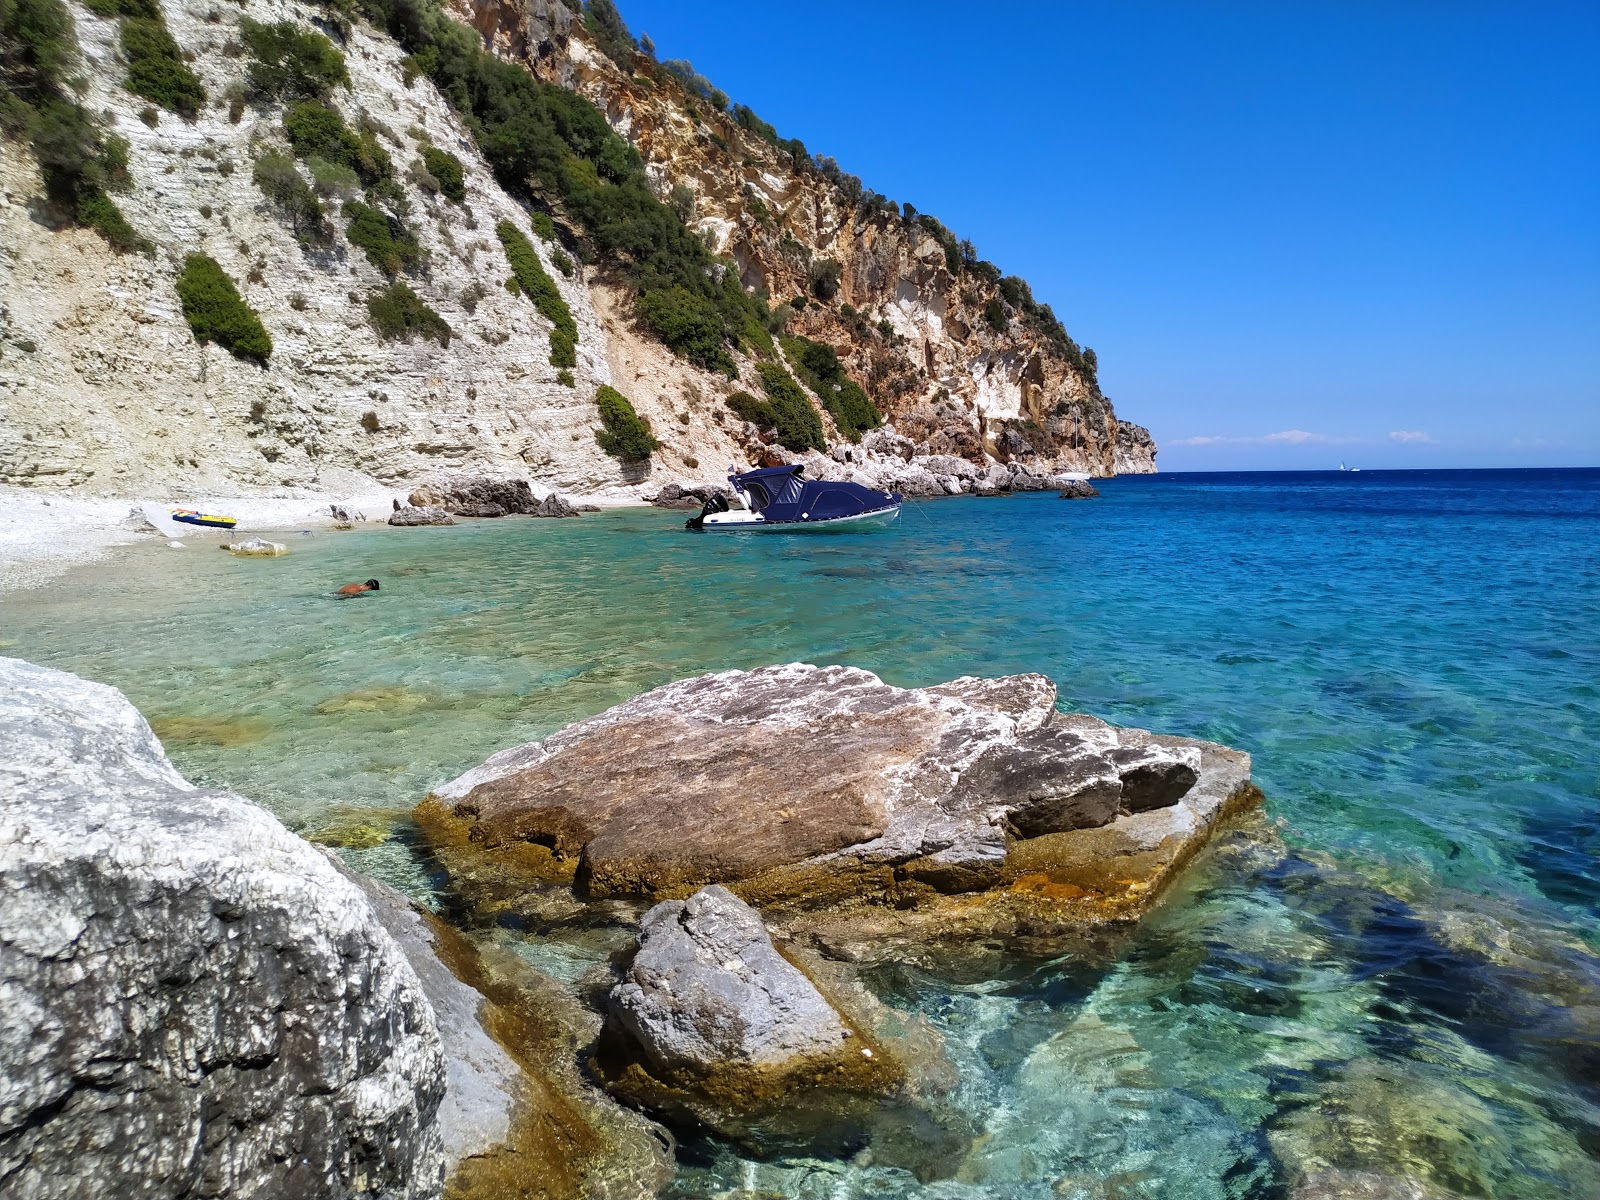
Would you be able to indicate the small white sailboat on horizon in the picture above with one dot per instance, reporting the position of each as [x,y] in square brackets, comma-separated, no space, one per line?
[1342,467]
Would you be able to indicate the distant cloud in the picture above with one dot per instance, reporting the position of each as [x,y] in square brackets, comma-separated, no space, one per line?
[1413,437]
[1284,437]
[1298,437]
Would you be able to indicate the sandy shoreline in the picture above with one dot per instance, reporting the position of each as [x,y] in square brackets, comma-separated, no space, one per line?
[45,534]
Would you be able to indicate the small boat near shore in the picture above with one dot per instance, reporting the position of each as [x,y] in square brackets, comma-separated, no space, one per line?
[192,516]
[781,500]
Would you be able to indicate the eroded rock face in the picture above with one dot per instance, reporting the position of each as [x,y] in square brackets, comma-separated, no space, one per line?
[707,989]
[193,1001]
[804,788]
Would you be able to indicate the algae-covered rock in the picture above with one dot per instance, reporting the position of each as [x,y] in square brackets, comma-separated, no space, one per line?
[819,788]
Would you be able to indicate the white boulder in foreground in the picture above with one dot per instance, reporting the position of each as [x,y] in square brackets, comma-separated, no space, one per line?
[193,1001]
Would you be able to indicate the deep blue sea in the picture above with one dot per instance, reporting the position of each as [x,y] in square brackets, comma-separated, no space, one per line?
[1393,984]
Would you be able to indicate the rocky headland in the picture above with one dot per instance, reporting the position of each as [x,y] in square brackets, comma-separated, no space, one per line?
[392,361]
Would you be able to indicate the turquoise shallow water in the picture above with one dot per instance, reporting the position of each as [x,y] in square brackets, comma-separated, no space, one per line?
[1401,980]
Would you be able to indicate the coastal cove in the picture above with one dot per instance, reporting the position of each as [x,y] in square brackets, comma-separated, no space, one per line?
[1394,973]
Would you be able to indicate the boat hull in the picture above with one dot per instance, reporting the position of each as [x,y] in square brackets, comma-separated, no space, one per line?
[743,522]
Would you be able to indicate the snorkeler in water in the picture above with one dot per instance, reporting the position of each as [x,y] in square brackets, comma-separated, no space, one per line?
[356,589]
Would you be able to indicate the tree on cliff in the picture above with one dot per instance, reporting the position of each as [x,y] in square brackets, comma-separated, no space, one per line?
[605,24]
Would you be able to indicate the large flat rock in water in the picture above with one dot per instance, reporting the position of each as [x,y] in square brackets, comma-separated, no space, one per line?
[809,786]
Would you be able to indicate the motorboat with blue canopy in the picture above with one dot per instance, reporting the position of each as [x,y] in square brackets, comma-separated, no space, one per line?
[781,499]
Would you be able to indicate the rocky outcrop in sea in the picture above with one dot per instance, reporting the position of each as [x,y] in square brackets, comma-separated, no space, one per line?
[194,1001]
[828,795]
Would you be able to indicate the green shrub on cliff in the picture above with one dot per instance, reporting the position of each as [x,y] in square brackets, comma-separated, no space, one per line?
[790,414]
[399,314]
[543,225]
[280,181]
[448,170]
[217,313]
[626,434]
[291,63]
[542,140]
[536,284]
[689,324]
[825,275]
[819,366]
[79,162]
[38,52]
[606,26]
[757,412]
[317,131]
[156,69]
[332,179]
[388,244]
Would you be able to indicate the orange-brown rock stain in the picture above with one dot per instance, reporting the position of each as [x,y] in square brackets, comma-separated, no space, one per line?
[551,1145]
[562,1144]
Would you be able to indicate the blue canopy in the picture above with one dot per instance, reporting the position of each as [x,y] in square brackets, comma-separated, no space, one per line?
[780,495]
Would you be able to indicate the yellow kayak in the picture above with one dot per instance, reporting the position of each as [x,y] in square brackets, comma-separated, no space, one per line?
[190,516]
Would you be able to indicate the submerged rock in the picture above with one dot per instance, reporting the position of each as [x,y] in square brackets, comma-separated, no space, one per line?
[255,548]
[807,788]
[193,1001]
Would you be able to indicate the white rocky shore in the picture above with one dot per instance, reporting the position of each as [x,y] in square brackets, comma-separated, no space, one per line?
[44,534]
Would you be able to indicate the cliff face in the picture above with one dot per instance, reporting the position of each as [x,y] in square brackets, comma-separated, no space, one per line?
[920,339]
[103,387]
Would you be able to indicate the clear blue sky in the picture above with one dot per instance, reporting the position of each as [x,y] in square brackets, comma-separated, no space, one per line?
[1371,228]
